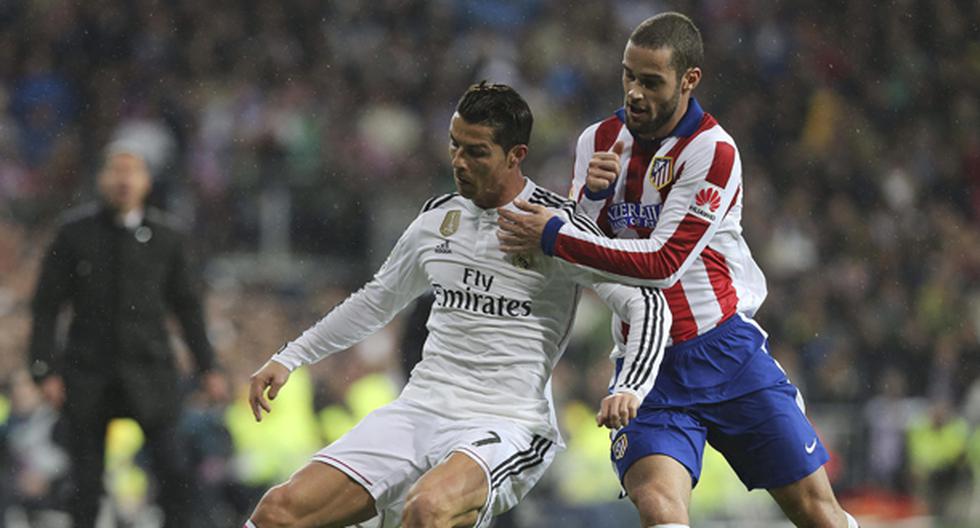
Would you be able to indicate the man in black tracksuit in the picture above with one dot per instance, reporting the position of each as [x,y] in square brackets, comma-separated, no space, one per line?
[122,267]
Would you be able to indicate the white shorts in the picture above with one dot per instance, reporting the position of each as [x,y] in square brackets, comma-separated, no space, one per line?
[395,445]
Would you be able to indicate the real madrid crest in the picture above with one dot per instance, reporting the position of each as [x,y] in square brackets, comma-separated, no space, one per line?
[522,260]
[661,171]
[450,223]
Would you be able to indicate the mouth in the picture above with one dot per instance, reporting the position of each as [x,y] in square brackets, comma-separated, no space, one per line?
[636,112]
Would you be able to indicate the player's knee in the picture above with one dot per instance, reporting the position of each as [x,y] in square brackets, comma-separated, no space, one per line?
[425,509]
[816,511]
[658,506]
[275,510]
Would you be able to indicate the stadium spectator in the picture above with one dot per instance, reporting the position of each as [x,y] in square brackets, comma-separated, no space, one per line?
[31,441]
[937,452]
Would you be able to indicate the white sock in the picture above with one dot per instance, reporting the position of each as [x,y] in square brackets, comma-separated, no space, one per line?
[851,521]
[249,524]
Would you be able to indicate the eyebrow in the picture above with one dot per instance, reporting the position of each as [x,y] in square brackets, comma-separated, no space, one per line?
[468,145]
[646,76]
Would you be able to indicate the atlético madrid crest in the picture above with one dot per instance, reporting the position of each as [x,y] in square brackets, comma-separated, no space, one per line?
[661,171]
[450,223]
[619,447]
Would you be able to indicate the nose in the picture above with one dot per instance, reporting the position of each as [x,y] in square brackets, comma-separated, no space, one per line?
[457,159]
[633,94]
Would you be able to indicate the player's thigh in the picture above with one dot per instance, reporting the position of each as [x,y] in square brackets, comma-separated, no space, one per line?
[809,501]
[766,437]
[315,496]
[459,484]
[512,458]
[658,460]
[387,452]
[660,439]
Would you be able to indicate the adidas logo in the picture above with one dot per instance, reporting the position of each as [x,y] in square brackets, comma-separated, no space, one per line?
[443,247]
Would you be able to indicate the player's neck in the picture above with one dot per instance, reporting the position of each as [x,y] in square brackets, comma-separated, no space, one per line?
[509,189]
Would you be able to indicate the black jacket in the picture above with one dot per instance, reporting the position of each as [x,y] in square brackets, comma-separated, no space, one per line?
[120,283]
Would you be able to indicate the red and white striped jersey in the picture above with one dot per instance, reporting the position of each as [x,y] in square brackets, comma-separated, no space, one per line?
[673,218]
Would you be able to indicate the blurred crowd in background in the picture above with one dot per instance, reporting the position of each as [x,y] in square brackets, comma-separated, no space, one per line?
[298,138]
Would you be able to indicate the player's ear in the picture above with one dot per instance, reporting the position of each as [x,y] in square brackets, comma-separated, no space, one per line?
[516,155]
[691,79]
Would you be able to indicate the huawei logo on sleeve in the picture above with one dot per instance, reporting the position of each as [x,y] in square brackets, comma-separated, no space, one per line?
[709,198]
[706,202]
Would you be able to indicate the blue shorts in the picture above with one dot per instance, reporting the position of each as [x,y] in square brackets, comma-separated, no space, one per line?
[723,387]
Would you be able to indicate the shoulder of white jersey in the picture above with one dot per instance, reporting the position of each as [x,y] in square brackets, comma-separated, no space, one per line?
[438,201]
[565,207]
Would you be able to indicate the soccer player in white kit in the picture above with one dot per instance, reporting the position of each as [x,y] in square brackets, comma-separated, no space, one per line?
[474,428]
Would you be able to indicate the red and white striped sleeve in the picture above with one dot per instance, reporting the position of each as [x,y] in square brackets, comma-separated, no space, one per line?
[709,177]
[589,206]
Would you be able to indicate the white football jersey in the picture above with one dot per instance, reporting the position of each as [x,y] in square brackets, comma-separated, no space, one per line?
[498,324]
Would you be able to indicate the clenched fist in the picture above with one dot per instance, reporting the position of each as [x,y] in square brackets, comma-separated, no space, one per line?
[616,410]
[604,168]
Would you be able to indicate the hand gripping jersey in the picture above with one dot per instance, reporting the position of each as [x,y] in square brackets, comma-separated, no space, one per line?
[498,325]
[675,213]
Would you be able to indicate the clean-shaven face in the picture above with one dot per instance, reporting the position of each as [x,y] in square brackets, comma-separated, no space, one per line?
[479,164]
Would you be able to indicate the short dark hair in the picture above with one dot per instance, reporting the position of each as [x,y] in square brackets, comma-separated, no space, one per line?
[675,31]
[501,108]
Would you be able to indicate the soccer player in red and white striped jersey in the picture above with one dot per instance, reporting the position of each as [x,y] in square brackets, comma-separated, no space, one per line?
[690,245]
[663,180]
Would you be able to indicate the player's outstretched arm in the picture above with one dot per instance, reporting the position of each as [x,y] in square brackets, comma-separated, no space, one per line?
[398,282]
[693,212]
[521,233]
[271,376]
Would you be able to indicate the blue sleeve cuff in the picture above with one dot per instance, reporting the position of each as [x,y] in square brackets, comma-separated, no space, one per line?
[550,235]
[601,195]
